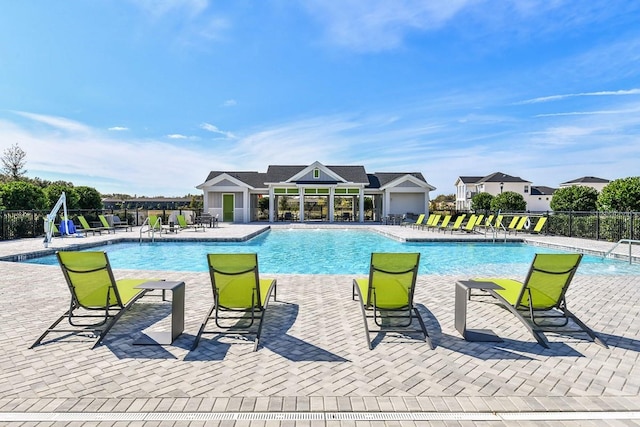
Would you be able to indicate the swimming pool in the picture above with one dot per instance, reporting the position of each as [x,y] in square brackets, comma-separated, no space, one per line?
[341,251]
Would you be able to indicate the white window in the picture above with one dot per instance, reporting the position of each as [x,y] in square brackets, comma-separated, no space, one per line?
[316,173]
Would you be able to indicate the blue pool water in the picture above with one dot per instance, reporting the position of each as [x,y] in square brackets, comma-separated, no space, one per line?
[325,251]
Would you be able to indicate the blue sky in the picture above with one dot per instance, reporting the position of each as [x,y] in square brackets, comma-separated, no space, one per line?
[147,96]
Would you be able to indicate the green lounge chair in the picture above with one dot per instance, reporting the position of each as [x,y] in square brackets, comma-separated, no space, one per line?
[456,225]
[420,221]
[105,224]
[154,223]
[513,224]
[434,222]
[428,222]
[542,296]
[522,224]
[117,224]
[445,223]
[182,223]
[95,294]
[488,223]
[471,223]
[86,228]
[538,228]
[386,296]
[240,296]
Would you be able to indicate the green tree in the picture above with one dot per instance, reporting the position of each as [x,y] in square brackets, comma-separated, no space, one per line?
[481,202]
[20,195]
[52,194]
[622,195]
[263,203]
[574,198]
[88,197]
[13,161]
[509,201]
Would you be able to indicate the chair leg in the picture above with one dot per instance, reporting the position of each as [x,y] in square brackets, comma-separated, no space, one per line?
[356,290]
[49,329]
[595,337]
[201,330]
[427,338]
[538,335]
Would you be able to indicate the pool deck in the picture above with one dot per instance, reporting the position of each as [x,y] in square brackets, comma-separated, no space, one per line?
[313,367]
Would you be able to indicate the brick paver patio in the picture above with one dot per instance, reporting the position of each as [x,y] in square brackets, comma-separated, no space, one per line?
[313,367]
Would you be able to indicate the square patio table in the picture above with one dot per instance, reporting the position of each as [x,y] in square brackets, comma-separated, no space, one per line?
[463,289]
[177,314]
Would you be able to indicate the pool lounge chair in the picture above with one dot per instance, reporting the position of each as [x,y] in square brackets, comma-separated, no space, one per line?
[456,225]
[417,222]
[445,223]
[428,222]
[240,296]
[542,296]
[386,296]
[470,225]
[539,225]
[105,224]
[86,228]
[513,224]
[182,223]
[95,294]
[523,224]
[433,223]
[121,225]
[488,223]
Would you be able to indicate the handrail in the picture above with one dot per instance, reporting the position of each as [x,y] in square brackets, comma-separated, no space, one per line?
[151,228]
[629,241]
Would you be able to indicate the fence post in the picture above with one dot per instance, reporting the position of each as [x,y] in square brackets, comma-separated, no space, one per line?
[597,225]
[570,223]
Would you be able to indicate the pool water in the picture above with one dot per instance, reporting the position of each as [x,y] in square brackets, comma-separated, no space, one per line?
[323,251]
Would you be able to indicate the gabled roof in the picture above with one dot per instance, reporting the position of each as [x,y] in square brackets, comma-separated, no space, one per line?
[384,178]
[252,179]
[355,174]
[280,173]
[502,177]
[588,180]
[470,179]
[540,190]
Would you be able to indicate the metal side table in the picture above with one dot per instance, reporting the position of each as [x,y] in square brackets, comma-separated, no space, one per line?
[463,289]
[177,314]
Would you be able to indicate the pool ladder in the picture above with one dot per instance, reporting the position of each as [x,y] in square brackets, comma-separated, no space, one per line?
[151,228]
[629,241]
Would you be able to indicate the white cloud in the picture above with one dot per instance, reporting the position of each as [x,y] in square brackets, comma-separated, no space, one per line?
[211,128]
[574,95]
[378,25]
[176,136]
[118,128]
[230,103]
[59,123]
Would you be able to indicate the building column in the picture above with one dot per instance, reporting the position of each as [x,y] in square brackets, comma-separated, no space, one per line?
[386,206]
[272,201]
[361,205]
[247,205]
[331,203]
[301,204]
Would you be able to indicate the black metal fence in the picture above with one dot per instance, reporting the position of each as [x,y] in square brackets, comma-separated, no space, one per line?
[24,224]
[608,226]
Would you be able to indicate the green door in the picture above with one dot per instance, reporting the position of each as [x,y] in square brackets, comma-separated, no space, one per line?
[227,207]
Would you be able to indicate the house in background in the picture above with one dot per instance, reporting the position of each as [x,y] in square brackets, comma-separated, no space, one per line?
[587,181]
[494,184]
[538,198]
[314,193]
